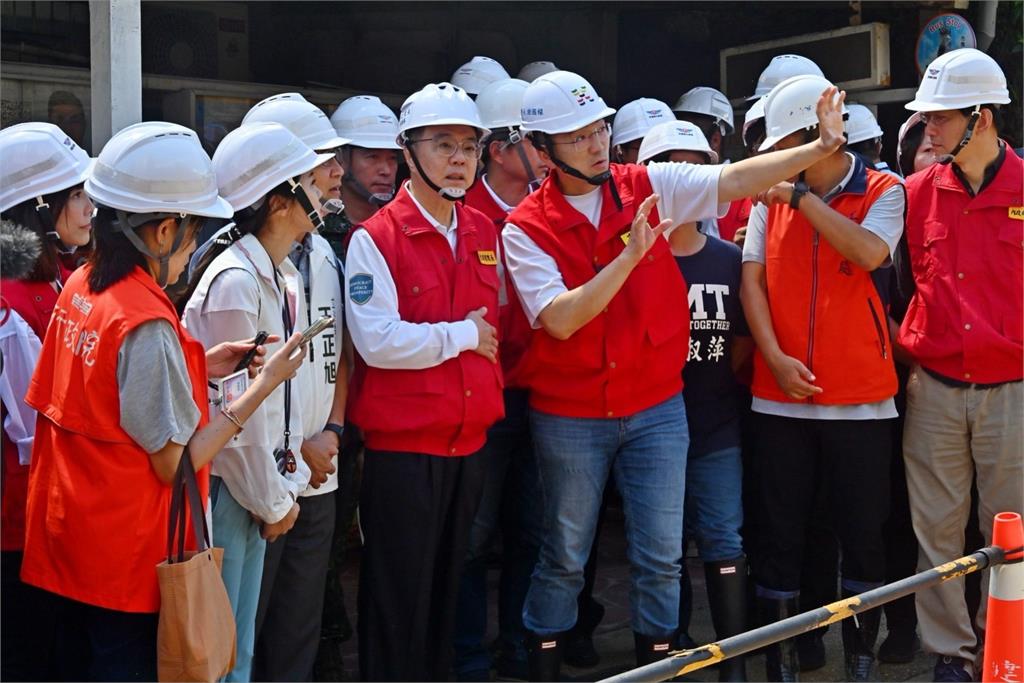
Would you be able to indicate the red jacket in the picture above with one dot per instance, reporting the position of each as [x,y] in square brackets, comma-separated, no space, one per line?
[97,513]
[630,357]
[825,310]
[737,217]
[447,409]
[514,331]
[965,320]
[34,301]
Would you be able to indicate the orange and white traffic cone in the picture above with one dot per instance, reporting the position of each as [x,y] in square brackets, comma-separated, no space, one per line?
[1004,627]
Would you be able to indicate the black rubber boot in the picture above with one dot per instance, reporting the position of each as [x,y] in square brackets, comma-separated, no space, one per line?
[727,594]
[780,659]
[859,634]
[650,649]
[544,657]
[578,644]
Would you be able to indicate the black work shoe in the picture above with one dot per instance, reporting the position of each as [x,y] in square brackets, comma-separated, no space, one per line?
[578,650]
[899,647]
[953,669]
[810,651]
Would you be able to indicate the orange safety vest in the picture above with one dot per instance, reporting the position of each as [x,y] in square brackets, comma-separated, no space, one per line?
[826,311]
[96,521]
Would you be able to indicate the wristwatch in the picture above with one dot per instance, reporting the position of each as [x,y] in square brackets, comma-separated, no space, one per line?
[800,188]
[337,429]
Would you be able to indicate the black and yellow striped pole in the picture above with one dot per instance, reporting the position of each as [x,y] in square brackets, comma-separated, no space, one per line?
[686,661]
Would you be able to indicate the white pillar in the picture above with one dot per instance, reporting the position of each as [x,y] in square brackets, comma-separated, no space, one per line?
[115,30]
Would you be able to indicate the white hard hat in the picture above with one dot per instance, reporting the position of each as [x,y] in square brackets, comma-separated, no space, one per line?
[913,120]
[534,69]
[782,67]
[753,115]
[792,106]
[254,159]
[439,104]
[561,102]
[500,104]
[303,118]
[861,125]
[674,135]
[478,73]
[366,122]
[959,79]
[38,159]
[156,167]
[635,118]
[707,101]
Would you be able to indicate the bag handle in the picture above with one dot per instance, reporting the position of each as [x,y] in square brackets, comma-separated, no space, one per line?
[185,497]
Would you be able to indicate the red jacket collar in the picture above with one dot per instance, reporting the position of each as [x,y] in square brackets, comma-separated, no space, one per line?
[403,211]
[561,216]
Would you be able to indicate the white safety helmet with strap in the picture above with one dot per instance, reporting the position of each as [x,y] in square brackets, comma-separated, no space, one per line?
[151,171]
[303,118]
[501,110]
[782,67]
[534,69]
[672,136]
[861,125]
[913,120]
[478,73]
[366,122]
[563,102]
[634,119]
[709,102]
[39,159]
[753,115]
[437,104]
[254,159]
[957,80]
[792,106]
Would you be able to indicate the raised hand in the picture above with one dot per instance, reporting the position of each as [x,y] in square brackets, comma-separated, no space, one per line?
[831,129]
[641,235]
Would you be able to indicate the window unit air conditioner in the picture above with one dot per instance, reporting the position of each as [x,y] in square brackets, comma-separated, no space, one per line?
[197,40]
[854,58]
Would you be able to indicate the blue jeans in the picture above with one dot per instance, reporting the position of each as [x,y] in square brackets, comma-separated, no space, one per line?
[714,507]
[575,457]
[242,570]
[511,504]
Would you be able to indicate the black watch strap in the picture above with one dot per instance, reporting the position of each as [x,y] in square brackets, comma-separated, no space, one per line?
[336,428]
[800,188]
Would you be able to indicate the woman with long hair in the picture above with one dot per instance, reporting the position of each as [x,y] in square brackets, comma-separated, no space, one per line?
[121,392]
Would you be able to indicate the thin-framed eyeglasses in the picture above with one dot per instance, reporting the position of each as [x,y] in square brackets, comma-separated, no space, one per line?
[582,141]
[447,146]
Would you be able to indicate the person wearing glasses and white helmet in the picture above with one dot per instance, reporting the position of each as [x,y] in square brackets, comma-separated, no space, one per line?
[246,283]
[118,410]
[423,309]
[605,362]
[295,569]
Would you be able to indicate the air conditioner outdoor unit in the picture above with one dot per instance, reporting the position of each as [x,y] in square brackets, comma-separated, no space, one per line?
[854,58]
[198,40]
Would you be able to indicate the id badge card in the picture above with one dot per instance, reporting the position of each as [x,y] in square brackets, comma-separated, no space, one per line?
[233,386]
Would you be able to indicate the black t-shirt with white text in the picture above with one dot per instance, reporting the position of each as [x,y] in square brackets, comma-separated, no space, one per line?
[713,280]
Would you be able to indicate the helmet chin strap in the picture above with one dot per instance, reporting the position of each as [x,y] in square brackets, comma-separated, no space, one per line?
[300,194]
[596,180]
[450,193]
[127,224]
[377,199]
[46,218]
[946,159]
[514,138]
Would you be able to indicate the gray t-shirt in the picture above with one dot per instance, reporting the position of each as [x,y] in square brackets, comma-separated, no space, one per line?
[154,387]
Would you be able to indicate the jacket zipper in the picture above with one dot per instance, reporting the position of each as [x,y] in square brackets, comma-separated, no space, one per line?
[878,328]
[814,299]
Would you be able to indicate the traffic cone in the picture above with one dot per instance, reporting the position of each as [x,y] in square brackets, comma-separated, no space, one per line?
[1004,627]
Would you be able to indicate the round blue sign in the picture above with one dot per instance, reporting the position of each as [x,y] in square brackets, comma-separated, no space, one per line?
[942,34]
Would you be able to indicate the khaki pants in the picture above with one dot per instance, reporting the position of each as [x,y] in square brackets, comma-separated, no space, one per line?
[950,435]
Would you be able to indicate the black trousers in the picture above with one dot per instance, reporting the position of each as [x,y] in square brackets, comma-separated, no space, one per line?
[28,624]
[415,511]
[292,594]
[850,459]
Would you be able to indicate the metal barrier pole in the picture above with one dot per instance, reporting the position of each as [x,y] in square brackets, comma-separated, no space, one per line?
[685,661]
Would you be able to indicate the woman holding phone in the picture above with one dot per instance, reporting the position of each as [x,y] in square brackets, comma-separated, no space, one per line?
[120,389]
[244,284]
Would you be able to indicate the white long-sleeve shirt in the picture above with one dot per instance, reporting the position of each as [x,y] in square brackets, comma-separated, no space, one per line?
[20,348]
[686,193]
[378,332]
[237,297]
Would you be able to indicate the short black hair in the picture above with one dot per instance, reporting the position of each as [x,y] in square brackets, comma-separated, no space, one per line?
[997,114]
